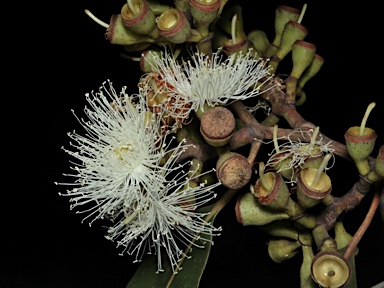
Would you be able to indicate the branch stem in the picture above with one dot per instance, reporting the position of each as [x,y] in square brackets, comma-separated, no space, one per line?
[351,247]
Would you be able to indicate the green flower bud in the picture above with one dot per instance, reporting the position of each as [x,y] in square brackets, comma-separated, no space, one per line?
[259,39]
[142,20]
[281,250]
[283,14]
[174,26]
[292,31]
[308,194]
[119,34]
[330,269]
[250,212]
[271,190]
[359,147]
[204,12]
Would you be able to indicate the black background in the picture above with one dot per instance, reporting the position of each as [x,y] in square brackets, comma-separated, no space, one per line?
[45,243]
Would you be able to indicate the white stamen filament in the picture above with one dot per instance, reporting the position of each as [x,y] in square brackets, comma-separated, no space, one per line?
[233,29]
[365,118]
[321,169]
[131,217]
[97,20]
[275,139]
[136,59]
[302,13]
[314,136]
[132,7]
[211,81]
[176,54]
[297,152]
[263,180]
[252,189]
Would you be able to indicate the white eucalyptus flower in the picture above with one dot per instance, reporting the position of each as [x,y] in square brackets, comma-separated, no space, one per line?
[296,152]
[166,220]
[120,177]
[118,154]
[213,80]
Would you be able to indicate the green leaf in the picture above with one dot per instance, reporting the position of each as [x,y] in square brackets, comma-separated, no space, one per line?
[146,276]
[187,277]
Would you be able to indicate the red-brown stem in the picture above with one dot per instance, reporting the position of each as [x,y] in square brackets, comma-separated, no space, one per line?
[255,147]
[242,137]
[281,106]
[243,113]
[344,203]
[351,247]
[201,151]
[255,129]
[294,119]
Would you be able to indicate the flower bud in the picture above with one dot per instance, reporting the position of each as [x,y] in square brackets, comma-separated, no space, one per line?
[280,250]
[174,26]
[259,39]
[158,7]
[283,14]
[119,34]
[233,170]
[250,212]
[217,126]
[240,47]
[330,269]
[313,161]
[302,55]
[271,190]
[142,20]
[292,31]
[204,12]
[312,70]
[269,52]
[359,147]
[281,229]
[282,165]
[309,195]
[147,62]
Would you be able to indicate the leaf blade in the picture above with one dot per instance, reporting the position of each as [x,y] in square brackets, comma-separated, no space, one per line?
[190,274]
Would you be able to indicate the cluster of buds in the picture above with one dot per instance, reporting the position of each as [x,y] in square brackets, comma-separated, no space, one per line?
[276,210]
[141,23]
[197,95]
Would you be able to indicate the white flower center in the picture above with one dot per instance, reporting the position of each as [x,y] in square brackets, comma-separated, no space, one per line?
[123,151]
